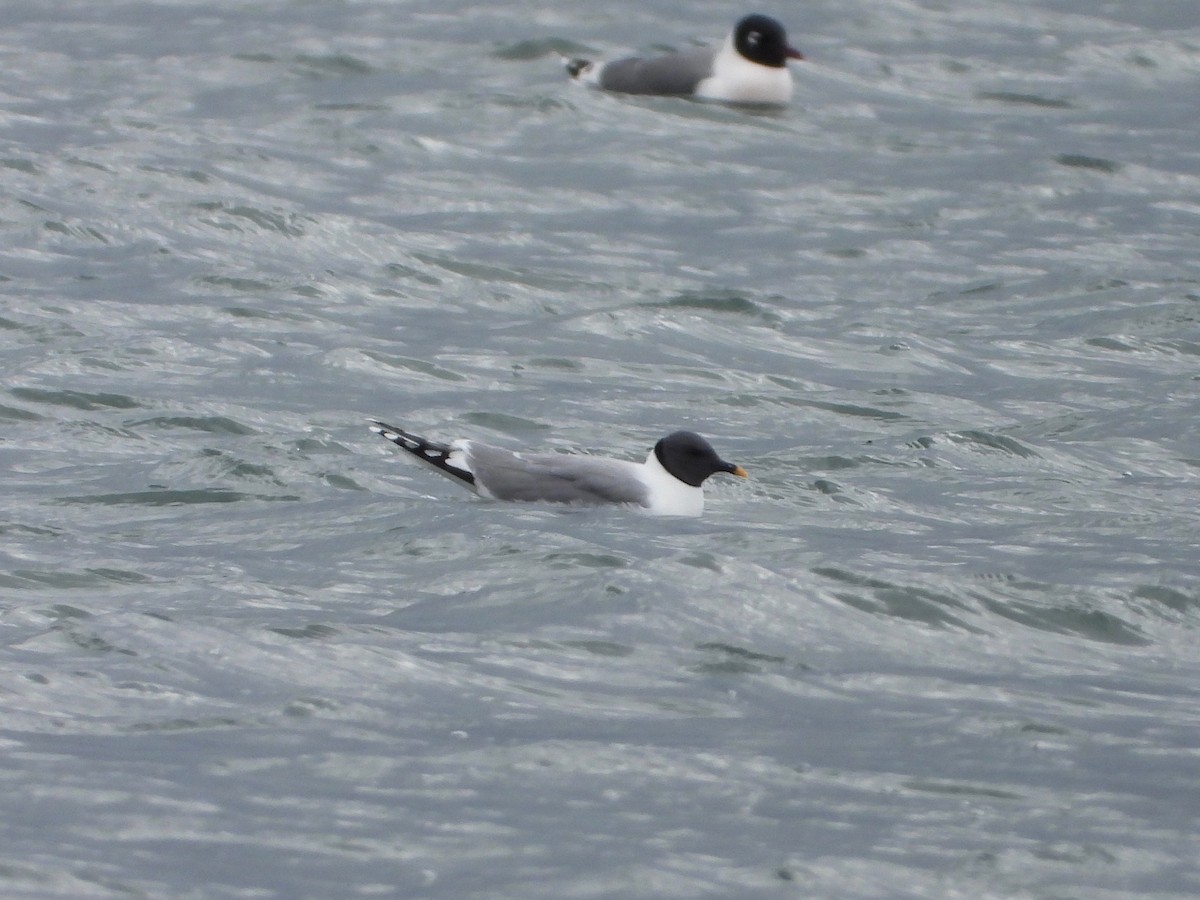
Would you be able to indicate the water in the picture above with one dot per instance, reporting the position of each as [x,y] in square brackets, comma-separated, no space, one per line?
[944,309]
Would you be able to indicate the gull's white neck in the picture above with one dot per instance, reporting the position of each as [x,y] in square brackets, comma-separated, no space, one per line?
[668,495]
[736,79]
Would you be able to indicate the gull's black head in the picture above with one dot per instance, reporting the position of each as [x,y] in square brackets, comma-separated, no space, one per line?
[691,458]
[762,40]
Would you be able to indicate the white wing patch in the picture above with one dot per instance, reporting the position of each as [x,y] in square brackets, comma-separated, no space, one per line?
[457,457]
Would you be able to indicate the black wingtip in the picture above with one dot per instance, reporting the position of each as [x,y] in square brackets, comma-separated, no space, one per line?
[398,436]
[434,454]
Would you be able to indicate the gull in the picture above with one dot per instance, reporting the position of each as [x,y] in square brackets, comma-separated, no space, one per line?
[669,483]
[750,67]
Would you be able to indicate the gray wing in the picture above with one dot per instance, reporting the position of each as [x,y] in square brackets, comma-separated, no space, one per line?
[555,477]
[676,73]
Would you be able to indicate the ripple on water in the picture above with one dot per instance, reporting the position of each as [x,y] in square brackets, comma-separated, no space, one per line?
[169,497]
[207,424]
[81,400]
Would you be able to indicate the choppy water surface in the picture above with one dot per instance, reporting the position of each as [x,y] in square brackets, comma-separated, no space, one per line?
[944,309]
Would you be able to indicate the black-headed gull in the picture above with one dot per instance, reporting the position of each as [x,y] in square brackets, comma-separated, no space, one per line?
[668,483]
[750,67]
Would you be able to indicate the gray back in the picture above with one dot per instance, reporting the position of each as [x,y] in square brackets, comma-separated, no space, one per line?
[555,477]
[677,73]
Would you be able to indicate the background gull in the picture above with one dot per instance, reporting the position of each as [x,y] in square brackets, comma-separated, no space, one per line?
[750,67]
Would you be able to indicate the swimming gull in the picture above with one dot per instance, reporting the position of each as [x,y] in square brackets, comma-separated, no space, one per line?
[668,483]
[750,67]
